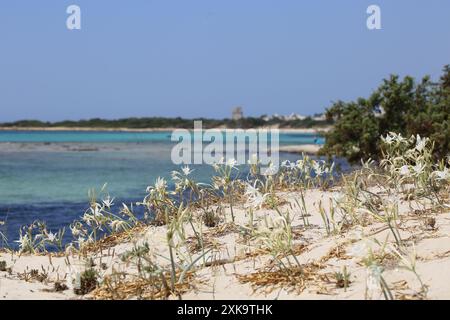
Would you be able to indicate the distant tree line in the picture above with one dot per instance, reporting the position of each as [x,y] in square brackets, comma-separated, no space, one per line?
[398,105]
[159,122]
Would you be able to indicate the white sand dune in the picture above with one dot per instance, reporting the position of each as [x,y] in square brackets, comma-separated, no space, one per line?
[331,253]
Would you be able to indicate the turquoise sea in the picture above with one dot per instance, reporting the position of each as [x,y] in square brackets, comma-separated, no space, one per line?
[47,175]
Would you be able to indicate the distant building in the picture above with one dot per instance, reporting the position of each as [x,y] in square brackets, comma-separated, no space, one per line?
[276,116]
[295,116]
[320,117]
[237,114]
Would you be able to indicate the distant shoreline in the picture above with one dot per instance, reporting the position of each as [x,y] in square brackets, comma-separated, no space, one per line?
[309,149]
[103,129]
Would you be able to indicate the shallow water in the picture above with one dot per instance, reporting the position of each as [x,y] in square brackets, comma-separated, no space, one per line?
[47,175]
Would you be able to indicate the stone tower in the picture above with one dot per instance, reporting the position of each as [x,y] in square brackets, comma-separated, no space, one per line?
[237,114]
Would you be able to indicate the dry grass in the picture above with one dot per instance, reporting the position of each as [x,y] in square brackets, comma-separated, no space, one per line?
[338,252]
[223,230]
[139,288]
[114,239]
[207,243]
[293,279]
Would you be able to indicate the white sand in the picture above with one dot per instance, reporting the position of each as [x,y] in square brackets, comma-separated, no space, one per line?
[221,282]
[310,149]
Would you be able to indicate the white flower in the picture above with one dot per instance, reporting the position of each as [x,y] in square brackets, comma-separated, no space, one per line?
[404,170]
[75,231]
[81,241]
[442,175]
[255,198]
[250,190]
[288,164]
[231,163]
[87,218]
[186,170]
[217,165]
[398,137]
[258,201]
[300,164]
[108,202]
[393,137]
[420,143]
[389,139]
[96,210]
[23,241]
[418,168]
[160,184]
[51,237]
[318,169]
[271,170]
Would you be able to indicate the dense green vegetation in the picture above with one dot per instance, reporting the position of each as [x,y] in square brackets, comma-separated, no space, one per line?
[157,122]
[402,106]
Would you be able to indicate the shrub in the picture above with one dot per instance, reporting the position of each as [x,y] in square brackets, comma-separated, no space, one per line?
[401,106]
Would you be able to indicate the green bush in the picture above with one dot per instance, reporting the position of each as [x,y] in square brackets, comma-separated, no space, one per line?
[401,106]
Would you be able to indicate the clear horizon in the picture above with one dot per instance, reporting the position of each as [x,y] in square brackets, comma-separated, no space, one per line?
[201,59]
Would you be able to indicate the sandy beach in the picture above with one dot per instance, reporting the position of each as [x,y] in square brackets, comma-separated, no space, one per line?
[302,232]
[238,267]
[325,254]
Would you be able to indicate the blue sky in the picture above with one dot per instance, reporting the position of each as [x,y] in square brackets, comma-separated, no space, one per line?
[202,57]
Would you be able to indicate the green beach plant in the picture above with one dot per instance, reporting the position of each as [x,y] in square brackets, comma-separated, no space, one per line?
[225,182]
[398,105]
[99,220]
[3,238]
[277,237]
[342,278]
[36,238]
